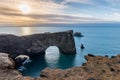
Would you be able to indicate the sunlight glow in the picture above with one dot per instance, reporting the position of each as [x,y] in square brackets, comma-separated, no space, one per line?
[24,8]
[26,30]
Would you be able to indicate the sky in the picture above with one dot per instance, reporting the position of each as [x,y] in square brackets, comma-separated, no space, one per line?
[24,12]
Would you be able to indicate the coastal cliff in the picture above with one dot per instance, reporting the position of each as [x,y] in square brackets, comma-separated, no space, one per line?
[36,44]
[96,68]
[19,48]
[7,69]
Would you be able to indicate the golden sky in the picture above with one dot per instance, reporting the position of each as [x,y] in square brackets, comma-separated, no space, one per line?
[27,12]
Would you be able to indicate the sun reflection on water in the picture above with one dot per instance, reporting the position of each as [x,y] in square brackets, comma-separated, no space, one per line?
[26,30]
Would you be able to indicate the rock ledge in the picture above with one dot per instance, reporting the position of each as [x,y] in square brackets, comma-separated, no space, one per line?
[96,68]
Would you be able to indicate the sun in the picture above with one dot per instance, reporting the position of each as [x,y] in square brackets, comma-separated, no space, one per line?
[24,8]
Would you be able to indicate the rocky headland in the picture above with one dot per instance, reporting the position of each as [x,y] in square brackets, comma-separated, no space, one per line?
[96,68]
[15,49]
[36,44]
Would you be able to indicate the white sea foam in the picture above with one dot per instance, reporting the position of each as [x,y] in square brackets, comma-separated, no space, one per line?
[22,68]
[26,61]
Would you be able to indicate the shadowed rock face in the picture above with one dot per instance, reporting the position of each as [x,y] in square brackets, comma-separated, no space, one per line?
[37,43]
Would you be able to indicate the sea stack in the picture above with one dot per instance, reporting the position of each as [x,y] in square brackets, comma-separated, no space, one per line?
[82,46]
[78,34]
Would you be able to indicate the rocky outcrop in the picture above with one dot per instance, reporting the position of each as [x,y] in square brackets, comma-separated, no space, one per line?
[78,34]
[21,60]
[12,74]
[8,71]
[37,43]
[6,61]
[7,66]
[96,68]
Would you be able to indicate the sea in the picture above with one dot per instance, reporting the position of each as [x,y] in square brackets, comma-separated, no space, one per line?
[99,39]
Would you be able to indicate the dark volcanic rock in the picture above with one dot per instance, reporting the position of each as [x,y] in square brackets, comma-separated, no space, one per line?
[11,44]
[82,46]
[21,60]
[78,34]
[37,43]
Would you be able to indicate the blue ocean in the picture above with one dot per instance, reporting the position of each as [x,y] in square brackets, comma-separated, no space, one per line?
[99,39]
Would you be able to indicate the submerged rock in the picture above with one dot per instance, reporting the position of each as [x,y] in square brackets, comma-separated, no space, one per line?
[36,44]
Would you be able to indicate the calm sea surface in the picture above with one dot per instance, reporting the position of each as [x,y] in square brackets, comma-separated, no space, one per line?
[99,39]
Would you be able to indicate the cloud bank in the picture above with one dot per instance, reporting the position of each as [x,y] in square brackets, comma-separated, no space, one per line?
[59,11]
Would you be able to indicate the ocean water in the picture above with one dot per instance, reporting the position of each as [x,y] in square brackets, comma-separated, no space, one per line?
[99,39]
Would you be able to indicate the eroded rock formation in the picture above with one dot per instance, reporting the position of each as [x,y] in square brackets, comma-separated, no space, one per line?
[37,43]
[8,71]
[21,60]
[96,68]
[6,61]
[7,66]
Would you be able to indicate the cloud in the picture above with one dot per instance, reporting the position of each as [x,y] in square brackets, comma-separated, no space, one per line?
[70,19]
[78,1]
[9,11]
[47,18]
[43,11]
[37,6]
[113,17]
[113,1]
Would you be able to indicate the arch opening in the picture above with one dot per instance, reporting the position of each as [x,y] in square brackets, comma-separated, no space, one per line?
[52,54]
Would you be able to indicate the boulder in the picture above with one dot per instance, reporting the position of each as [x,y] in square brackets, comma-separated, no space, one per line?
[6,62]
[22,59]
[8,71]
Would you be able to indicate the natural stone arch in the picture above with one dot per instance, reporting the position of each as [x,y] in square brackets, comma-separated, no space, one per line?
[37,43]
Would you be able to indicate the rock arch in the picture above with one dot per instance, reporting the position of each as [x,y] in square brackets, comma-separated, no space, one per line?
[37,43]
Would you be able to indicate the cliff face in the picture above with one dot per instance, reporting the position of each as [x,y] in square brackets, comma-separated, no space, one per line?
[96,68]
[37,43]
